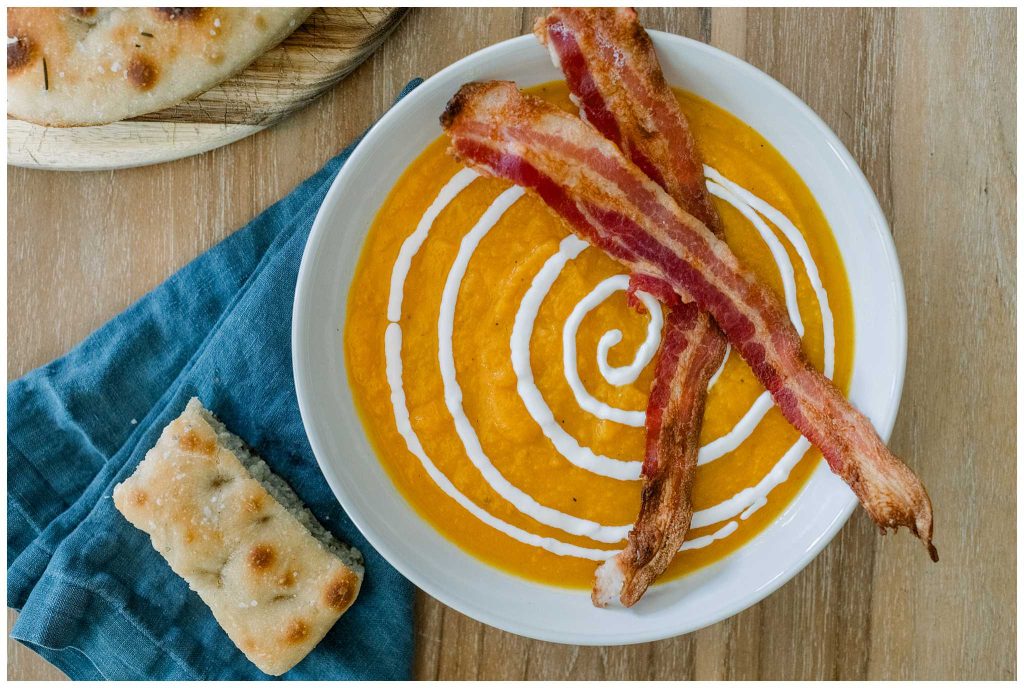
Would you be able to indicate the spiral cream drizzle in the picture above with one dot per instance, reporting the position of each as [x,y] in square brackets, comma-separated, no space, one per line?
[742,504]
[620,376]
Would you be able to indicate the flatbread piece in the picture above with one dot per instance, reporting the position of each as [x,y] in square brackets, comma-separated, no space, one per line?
[74,66]
[274,578]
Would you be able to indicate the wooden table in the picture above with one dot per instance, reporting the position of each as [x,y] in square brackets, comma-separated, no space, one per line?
[925,101]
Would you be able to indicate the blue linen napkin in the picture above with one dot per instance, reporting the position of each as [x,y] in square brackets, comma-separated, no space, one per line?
[95,598]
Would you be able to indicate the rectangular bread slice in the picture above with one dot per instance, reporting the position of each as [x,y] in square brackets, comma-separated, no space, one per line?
[275,579]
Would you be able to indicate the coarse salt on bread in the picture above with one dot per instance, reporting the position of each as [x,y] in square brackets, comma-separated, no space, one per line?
[274,578]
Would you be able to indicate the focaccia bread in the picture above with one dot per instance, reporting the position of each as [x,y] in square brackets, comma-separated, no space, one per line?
[75,66]
[274,578]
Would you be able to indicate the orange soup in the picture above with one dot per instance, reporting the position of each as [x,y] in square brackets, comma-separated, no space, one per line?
[502,377]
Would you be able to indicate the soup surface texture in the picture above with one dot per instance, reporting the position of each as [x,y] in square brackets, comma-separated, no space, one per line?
[502,377]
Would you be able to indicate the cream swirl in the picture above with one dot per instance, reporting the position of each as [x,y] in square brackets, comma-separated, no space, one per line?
[617,376]
[522,332]
[741,504]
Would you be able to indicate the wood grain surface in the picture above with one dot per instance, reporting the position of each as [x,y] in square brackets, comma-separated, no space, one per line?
[328,46]
[925,101]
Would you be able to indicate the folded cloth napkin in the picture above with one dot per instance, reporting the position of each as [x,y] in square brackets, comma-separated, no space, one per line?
[95,598]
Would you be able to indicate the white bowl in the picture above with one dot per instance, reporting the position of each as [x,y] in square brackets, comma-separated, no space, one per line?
[469,585]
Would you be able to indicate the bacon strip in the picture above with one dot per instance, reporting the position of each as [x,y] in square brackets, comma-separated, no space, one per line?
[615,78]
[612,204]
[691,351]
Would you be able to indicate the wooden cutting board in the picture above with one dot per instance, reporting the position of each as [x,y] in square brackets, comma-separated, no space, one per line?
[329,45]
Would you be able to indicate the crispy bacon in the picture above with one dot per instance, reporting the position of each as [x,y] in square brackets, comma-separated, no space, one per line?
[615,79]
[688,359]
[612,204]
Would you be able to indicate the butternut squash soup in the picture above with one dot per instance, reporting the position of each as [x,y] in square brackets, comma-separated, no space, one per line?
[502,377]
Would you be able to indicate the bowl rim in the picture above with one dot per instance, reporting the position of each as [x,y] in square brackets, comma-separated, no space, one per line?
[303,377]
